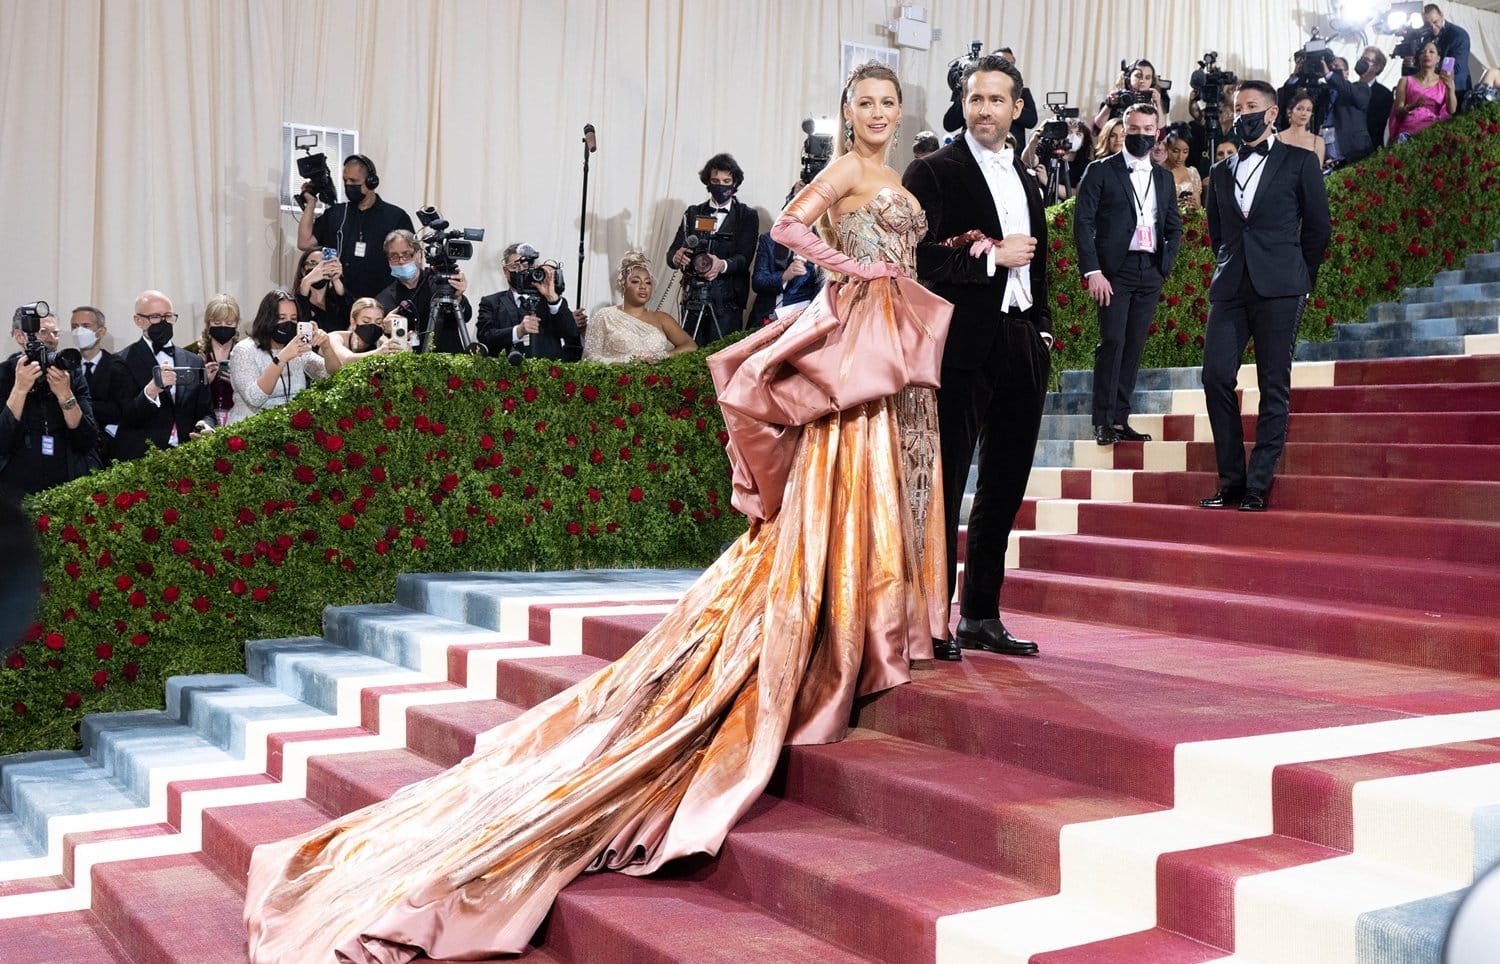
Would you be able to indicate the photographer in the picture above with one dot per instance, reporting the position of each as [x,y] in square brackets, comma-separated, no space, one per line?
[1210,110]
[1346,128]
[1310,68]
[280,357]
[415,285]
[529,318]
[166,399]
[320,290]
[1452,42]
[372,331]
[782,277]
[714,246]
[47,431]
[1369,67]
[355,229]
[1074,151]
[1137,85]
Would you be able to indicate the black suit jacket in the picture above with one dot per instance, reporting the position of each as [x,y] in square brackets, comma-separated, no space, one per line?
[141,422]
[1350,116]
[1281,243]
[742,224]
[499,315]
[1378,116]
[1105,216]
[953,192]
[106,386]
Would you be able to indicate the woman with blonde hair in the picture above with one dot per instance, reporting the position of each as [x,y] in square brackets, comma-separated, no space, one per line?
[629,331]
[838,584]
[370,332]
[220,333]
[1111,139]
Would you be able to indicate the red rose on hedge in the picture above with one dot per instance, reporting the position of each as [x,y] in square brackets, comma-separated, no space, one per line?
[72,701]
[458,537]
[636,494]
[54,641]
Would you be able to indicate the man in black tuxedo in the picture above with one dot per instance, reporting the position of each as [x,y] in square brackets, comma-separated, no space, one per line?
[528,319]
[161,408]
[985,251]
[716,265]
[103,372]
[1128,231]
[1369,66]
[1268,222]
[1348,114]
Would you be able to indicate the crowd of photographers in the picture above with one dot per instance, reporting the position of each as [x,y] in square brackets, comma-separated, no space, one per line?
[369,282]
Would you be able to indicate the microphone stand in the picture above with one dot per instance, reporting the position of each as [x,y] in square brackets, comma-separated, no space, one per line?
[589,146]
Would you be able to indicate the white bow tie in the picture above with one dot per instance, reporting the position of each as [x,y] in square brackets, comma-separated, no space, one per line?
[1004,157]
[1136,166]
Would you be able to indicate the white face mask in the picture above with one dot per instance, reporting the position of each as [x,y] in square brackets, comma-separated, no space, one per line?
[85,338]
[1074,143]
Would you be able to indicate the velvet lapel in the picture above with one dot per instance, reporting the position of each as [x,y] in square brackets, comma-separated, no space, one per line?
[977,187]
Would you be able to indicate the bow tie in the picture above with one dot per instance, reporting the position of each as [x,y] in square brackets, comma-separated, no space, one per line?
[1136,166]
[1263,148]
[1003,157]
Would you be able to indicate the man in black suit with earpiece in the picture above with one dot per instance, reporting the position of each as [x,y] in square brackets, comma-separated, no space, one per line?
[1269,225]
[1127,230]
[357,229]
[986,251]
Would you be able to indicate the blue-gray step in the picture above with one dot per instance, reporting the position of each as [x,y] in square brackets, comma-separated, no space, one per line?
[1420,330]
[1382,348]
[1458,308]
[1082,402]
[474,599]
[1146,380]
[1484,291]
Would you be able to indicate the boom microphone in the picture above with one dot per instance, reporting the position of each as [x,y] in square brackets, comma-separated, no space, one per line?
[588,138]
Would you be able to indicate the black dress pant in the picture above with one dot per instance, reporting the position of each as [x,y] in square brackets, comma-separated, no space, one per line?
[998,407]
[1123,324]
[1273,323]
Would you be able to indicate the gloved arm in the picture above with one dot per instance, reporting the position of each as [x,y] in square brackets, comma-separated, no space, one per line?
[794,230]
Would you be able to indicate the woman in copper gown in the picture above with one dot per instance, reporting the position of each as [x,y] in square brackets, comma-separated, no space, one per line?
[835,588]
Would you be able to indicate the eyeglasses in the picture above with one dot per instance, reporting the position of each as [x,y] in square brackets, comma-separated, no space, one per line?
[397,257]
[171,316]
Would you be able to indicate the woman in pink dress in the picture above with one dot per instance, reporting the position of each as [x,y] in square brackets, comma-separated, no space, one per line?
[836,587]
[1425,97]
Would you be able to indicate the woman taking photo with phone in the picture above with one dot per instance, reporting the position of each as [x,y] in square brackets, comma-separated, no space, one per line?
[320,289]
[279,358]
[1425,97]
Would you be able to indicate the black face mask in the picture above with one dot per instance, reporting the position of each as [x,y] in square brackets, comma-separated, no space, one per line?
[1250,127]
[354,192]
[284,332]
[369,335]
[1139,145]
[223,334]
[1361,65]
[320,283]
[160,333]
[721,193]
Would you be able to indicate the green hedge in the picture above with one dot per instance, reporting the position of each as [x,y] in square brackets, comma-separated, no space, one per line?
[1398,217]
[166,565]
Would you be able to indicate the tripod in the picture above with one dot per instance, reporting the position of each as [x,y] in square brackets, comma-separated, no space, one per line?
[696,308]
[442,312]
[1059,178]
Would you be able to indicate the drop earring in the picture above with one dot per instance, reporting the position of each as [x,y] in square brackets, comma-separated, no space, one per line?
[896,136]
[848,133]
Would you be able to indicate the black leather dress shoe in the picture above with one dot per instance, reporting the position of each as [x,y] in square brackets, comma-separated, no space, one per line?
[1225,498]
[1105,435]
[991,634]
[1128,434]
[1253,501]
[947,649]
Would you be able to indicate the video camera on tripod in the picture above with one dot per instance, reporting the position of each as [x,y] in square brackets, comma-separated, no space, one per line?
[314,169]
[443,247]
[1053,144]
[1209,81]
[698,237]
[29,323]
[817,147]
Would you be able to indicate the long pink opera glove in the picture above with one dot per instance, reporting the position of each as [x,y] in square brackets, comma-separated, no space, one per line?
[791,229]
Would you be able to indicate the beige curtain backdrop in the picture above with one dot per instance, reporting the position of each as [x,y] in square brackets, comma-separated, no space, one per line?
[140,140]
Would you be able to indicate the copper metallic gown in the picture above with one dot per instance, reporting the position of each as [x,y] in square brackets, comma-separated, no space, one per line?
[657,755]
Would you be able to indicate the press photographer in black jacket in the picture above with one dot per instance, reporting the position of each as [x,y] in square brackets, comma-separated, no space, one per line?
[47,431]
[714,246]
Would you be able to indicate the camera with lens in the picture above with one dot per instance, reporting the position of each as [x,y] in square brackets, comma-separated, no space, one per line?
[532,272]
[1209,81]
[817,147]
[956,67]
[28,319]
[699,240]
[314,169]
[445,246]
[1055,132]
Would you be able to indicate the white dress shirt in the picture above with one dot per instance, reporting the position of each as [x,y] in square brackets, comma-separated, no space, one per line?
[1246,184]
[1015,215]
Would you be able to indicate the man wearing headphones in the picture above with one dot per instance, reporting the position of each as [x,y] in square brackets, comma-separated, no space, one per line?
[357,228]
[714,248]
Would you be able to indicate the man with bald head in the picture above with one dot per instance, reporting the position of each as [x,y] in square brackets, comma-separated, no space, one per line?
[164,397]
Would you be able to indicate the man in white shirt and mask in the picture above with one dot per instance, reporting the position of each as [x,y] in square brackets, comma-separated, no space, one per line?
[1127,230]
[985,251]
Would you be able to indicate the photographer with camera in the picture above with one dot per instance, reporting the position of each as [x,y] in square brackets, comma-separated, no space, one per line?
[166,398]
[416,285]
[1059,152]
[714,247]
[1137,85]
[281,356]
[1127,231]
[529,318]
[1452,42]
[953,120]
[355,229]
[47,430]
[1346,126]
[1210,107]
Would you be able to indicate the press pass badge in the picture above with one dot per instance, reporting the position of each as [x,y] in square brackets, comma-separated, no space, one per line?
[49,445]
[359,249]
[1145,238]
